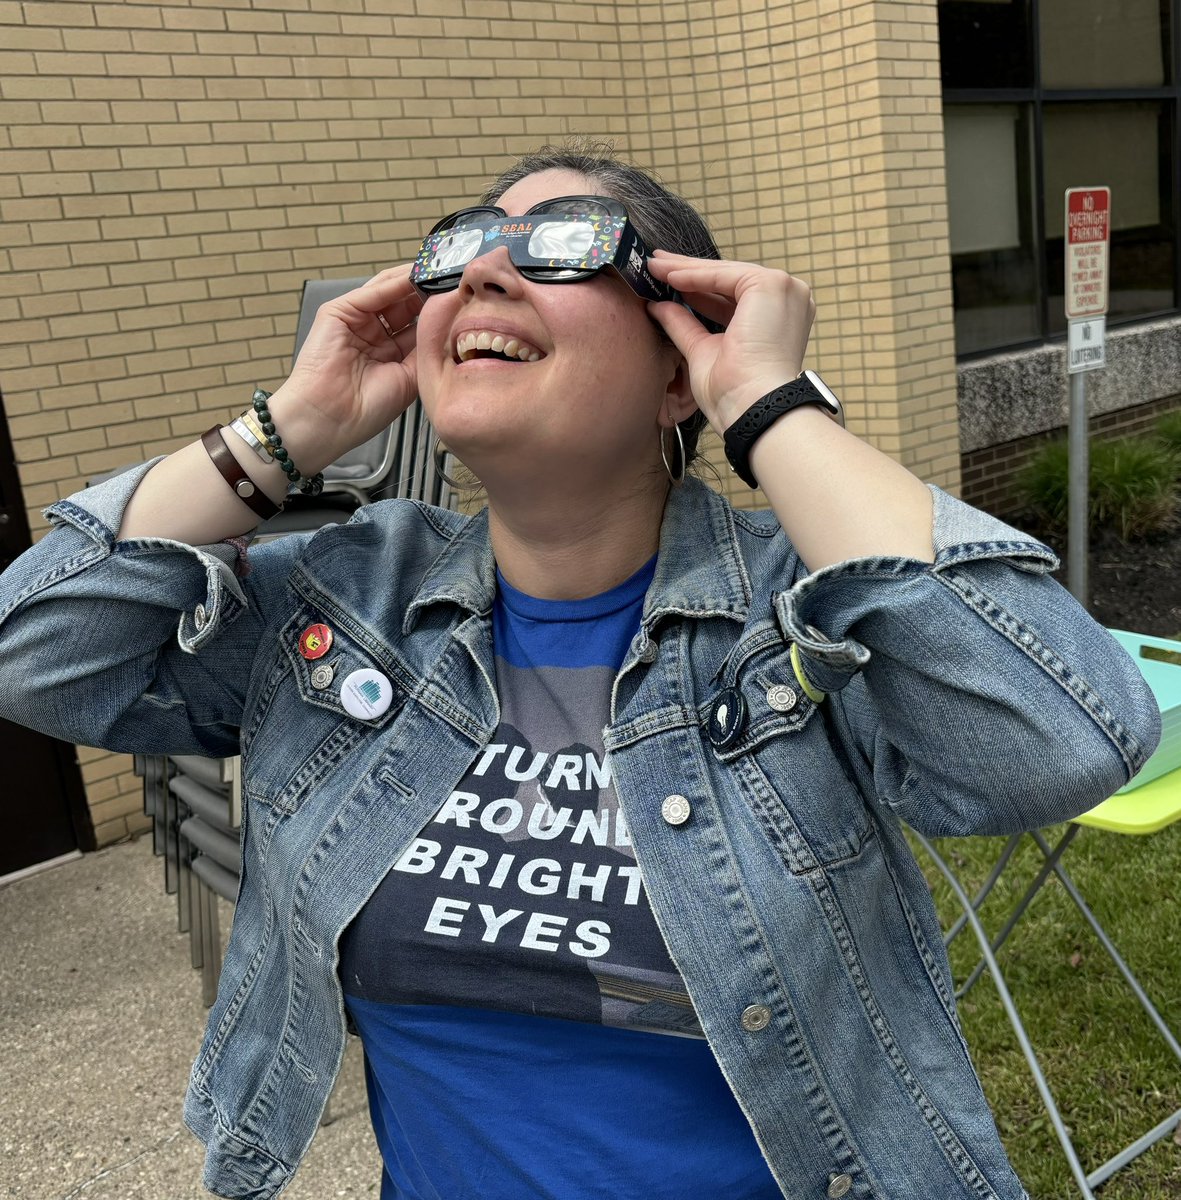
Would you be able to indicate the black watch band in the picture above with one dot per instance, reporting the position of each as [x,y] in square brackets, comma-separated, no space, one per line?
[740,438]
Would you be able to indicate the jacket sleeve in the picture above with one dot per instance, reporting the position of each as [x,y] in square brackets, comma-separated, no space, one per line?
[142,645]
[974,695]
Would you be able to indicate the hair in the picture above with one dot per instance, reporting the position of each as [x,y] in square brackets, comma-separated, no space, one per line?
[665,220]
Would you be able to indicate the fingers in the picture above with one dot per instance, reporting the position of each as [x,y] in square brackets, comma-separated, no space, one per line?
[684,330]
[716,308]
[725,278]
[387,288]
[404,341]
[389,301]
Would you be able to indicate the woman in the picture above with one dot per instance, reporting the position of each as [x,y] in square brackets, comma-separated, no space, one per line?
[584,812]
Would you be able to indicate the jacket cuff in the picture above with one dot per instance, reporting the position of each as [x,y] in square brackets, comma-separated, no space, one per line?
[818,612]
[97,512]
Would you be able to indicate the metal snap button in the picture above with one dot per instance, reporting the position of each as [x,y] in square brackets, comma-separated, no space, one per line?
[322,676]
[675,810]
[838,1185]
[200,617]
[781,698]
[756,1017]
[648,651]
[727,718]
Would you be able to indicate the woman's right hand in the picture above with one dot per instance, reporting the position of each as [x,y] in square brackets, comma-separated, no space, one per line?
[351,378]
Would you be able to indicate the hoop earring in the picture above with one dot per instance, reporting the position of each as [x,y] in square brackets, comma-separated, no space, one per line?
[677,477]
[439,454]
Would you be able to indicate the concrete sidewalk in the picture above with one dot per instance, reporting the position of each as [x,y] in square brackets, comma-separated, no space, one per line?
[100,1019]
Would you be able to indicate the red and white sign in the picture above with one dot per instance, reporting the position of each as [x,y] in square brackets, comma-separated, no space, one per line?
[1088,236]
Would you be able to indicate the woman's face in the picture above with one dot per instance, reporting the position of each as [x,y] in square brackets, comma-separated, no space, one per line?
[589,399]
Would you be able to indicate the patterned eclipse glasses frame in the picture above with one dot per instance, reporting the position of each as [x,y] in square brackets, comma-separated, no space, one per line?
[563,240]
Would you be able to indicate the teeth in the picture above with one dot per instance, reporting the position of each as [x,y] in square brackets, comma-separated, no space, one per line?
[468,343]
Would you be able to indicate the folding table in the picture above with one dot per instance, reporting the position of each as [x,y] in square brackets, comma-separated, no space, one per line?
[1148,804]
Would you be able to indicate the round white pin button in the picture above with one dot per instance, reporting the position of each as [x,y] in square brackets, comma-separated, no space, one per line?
[366,693]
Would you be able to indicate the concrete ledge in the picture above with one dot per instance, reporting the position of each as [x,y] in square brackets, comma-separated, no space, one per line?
[1013,395]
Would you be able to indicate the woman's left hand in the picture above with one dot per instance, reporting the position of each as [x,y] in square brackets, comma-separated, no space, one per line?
[767,316]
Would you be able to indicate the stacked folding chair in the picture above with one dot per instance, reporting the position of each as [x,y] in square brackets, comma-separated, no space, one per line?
[194,802]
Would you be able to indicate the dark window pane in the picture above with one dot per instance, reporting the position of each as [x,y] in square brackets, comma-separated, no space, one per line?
[990,213]
[1127,146]
[1104,43]
[985,43]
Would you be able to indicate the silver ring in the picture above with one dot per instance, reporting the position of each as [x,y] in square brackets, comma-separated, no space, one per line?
[384,324]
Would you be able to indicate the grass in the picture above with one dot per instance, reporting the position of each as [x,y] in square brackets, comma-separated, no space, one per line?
[1111,1073]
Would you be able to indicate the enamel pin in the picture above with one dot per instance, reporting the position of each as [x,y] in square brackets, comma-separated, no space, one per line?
[315,641]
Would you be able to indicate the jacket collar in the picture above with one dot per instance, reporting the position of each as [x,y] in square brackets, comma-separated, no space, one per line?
[699,571]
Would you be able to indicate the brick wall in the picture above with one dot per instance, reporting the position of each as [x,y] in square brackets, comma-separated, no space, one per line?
[171,173]
[990,475]
[812,131]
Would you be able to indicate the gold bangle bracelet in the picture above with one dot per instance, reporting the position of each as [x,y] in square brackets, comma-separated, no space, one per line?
[250,419]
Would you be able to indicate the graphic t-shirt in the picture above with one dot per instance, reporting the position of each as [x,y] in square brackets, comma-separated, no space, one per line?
[525,1032]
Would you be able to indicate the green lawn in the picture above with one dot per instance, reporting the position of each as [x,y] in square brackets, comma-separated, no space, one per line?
[1112,1074]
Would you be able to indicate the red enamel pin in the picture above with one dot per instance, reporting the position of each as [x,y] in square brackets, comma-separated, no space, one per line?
[315,641]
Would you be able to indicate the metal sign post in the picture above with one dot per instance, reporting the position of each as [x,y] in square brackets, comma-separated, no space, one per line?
[1087,241]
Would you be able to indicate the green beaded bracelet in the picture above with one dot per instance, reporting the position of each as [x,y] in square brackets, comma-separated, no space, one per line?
[309,487]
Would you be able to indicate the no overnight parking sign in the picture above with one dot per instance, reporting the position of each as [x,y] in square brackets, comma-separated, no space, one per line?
[1088,233]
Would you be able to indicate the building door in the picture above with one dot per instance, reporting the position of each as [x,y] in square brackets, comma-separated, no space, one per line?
[44,813]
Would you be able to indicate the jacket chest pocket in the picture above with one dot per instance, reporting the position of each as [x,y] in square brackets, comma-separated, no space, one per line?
[783,765]
[329,694]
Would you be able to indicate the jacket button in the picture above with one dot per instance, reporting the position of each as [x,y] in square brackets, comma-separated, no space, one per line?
[838,1185]
[648,651]
[781,698]
[675,810]
[756,1017]
[200,617]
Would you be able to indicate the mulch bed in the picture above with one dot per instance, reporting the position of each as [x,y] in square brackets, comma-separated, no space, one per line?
[1133,585]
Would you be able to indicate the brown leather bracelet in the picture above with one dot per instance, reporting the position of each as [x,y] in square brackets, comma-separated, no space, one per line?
[231,471]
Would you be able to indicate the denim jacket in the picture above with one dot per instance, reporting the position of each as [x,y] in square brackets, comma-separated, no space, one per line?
[969,696]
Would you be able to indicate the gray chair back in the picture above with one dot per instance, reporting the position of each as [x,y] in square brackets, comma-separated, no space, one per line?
[395,462]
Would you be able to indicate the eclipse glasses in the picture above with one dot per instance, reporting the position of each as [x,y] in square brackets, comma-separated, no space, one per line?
[564,240]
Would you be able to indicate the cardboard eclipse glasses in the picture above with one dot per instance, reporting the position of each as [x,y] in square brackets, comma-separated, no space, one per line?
[564,240]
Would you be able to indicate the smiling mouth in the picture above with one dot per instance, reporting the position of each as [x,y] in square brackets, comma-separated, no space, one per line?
[483,343]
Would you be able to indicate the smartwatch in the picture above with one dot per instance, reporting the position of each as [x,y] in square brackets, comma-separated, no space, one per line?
[740,438]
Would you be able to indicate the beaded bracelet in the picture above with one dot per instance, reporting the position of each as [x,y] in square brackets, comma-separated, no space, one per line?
[309,487]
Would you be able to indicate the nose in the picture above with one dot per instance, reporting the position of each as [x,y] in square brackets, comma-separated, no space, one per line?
[491,272]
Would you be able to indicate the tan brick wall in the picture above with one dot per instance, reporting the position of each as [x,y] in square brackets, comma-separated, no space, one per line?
[171,173]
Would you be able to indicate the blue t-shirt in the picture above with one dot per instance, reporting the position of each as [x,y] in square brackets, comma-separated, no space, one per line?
[525,1032]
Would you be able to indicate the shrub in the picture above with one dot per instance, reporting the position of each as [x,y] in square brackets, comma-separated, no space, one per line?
[1133,486]
[1168,432]
[1043,485]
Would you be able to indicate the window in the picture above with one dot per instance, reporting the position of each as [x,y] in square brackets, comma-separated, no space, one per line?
[1039,96]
